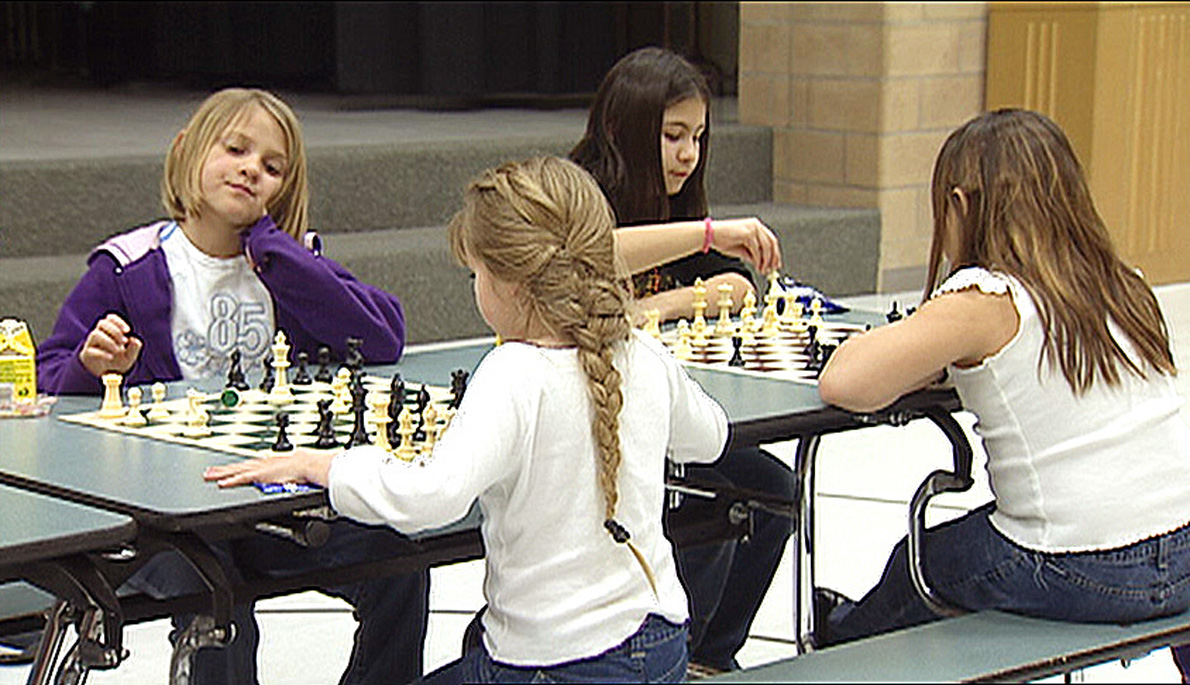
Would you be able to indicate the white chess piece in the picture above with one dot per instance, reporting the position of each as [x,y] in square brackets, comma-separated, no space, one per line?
[134,417]
[281,393]
[723,327]
[158,412]
[112,406]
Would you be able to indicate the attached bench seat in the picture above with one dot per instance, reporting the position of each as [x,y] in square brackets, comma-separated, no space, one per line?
[979,647]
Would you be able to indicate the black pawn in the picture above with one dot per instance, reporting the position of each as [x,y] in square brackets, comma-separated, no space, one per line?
[354,359]
[302,375]
[235,373]
[282,444]
[737,357]
[894,314]
[324,373]
[269,378]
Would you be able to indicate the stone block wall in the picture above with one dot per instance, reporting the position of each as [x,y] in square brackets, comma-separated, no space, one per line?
[860,97]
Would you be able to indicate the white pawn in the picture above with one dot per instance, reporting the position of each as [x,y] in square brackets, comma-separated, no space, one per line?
[653,322]
[134,417]
[158,412]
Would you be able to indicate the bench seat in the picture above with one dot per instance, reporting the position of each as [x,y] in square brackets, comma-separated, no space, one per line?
[978,647]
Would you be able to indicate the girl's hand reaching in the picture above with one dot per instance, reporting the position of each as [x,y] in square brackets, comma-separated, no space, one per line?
[299,466]
[750,240]
[110,347]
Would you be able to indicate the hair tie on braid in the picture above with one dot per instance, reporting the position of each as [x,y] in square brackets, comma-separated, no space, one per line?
[619,532]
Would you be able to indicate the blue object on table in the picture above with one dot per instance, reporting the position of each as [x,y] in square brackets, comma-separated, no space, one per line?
[805,294]
[277,488]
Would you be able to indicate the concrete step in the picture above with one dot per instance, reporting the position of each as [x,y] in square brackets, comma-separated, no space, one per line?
[834,250]
[66,206]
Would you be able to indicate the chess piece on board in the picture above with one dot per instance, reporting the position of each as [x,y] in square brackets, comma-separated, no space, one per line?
[157,411]
[282,443]
[197,418]
[405,449]
[698,325]
[302,375]
[324,373]
[653,322]
[354,359]
[235,372]
[326,426]
[458,386]
[737,357]
[280,394]
[268,379]
[112,406]
[683,350]
[134,417]
[379,404]
[723,327]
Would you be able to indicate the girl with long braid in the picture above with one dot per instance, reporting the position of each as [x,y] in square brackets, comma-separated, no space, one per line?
[562,436]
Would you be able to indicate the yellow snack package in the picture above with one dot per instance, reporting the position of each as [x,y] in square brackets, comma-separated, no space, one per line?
[18,368]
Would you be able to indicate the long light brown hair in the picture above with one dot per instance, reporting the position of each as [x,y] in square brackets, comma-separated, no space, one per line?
[182,181]
[544,224]
[1029,214]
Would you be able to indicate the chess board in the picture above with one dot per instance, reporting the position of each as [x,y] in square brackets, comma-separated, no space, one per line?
[782,351]
[250,428]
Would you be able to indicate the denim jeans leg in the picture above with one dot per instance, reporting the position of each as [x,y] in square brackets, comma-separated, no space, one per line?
[755,561]
[169,575]
[969,563]
[392,610]
[654,654]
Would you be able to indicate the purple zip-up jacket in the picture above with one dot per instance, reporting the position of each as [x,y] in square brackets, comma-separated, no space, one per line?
[316,302]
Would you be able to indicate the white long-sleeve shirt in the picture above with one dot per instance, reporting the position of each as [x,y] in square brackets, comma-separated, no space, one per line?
[558,587]
[1071,472]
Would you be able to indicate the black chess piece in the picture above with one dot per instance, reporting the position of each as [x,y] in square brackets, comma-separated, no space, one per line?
[737,356]
[235,373]
[396,405]
[326,426]
[302,375]
[282,444]
[359,430]
[354,359]
[269,379]
[894,314]
[458,386]
[324,373]
[423,401]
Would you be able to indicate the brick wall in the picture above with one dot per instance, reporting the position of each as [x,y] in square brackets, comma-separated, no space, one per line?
[860,96]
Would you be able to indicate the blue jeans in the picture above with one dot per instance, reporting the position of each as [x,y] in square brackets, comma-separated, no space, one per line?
[970,564]
[654,654]
[727,581]
[392,611]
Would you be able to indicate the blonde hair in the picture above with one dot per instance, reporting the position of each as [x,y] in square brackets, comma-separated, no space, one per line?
[544,224]
[181,183]
[1029,213]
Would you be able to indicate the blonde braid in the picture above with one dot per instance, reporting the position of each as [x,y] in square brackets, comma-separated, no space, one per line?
[545,224]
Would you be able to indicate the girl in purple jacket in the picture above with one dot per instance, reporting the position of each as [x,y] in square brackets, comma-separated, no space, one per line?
[174,299]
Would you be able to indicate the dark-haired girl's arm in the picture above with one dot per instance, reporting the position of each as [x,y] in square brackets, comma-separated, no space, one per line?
[644,247]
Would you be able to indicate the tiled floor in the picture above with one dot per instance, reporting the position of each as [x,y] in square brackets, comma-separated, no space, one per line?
[865,479]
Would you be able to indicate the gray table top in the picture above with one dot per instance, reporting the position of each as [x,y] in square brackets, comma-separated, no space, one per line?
[35,527]
[160,483]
